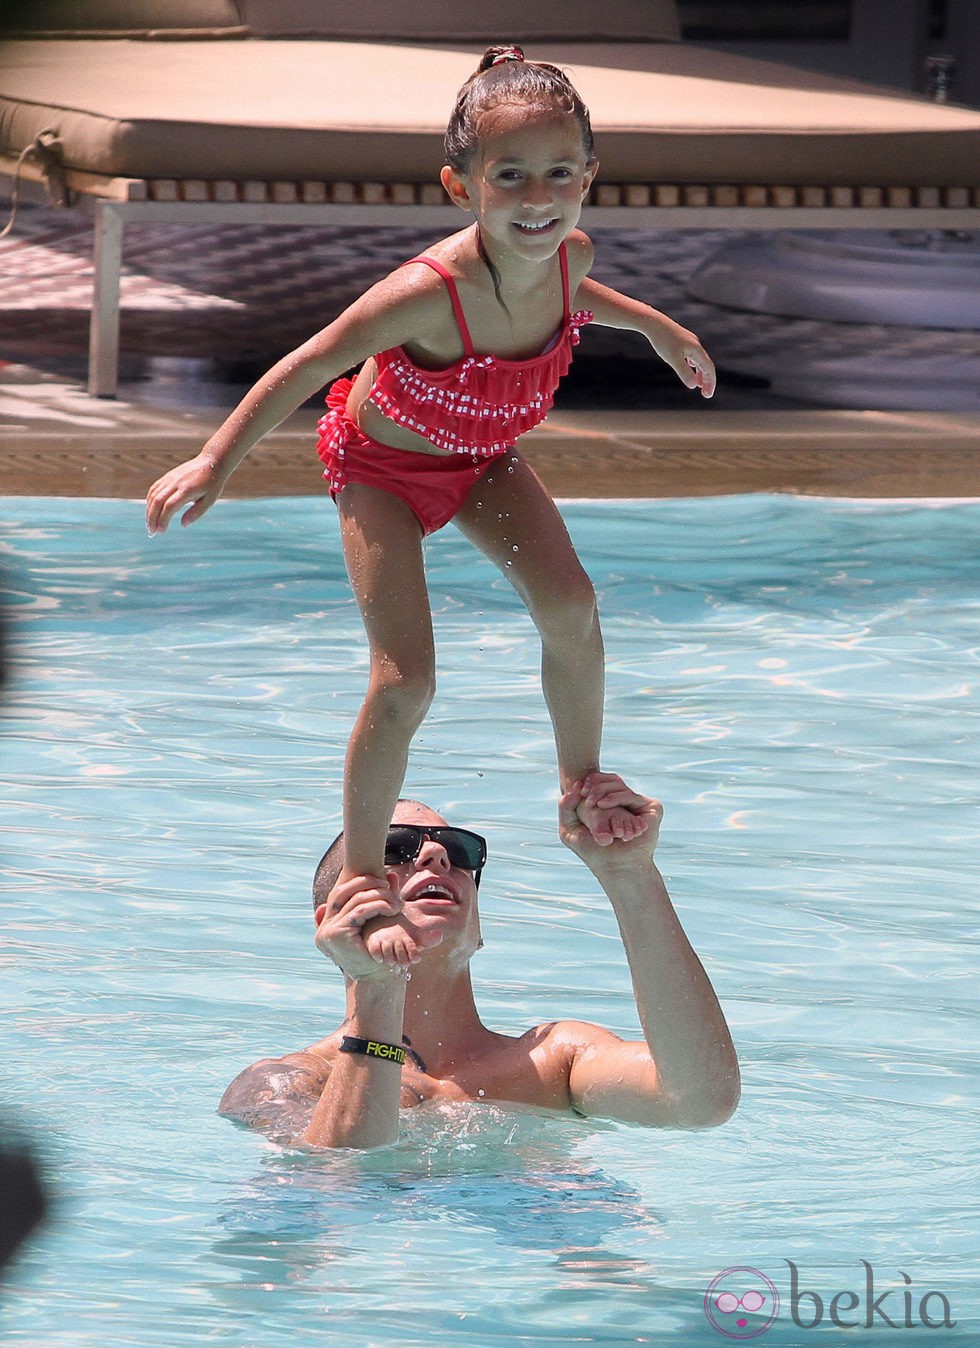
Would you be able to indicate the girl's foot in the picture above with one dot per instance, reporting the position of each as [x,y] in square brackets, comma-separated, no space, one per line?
[392,941]
[609,809]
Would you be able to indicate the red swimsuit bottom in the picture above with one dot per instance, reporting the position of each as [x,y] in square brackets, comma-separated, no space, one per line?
[434,486]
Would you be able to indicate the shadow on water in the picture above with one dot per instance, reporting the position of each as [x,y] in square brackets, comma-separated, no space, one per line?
[427,1235]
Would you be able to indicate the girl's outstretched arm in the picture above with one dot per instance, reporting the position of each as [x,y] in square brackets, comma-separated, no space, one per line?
[675,345]
[402,307]
[199,482]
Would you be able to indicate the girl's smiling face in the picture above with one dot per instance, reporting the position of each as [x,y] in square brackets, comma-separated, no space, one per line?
[527,181]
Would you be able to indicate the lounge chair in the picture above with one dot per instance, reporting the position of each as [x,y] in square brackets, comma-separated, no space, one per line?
[328,112]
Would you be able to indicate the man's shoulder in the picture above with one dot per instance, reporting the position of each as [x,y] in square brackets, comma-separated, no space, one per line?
[560,1043]
[538,1066]
[273,1083]
[572,1033]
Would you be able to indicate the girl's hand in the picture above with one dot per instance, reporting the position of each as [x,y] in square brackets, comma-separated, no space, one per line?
[197,481]
[682,351]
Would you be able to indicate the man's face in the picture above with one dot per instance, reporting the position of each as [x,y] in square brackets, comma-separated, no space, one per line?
[433,890]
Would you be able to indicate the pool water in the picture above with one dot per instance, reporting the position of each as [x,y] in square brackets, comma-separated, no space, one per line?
[794,678]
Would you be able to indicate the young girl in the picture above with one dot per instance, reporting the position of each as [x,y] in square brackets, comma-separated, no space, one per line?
[459,352]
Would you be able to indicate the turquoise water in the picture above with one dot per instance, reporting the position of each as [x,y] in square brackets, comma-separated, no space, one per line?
[795,678]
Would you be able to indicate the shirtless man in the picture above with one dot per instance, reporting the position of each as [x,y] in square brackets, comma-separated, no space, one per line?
[346,1090]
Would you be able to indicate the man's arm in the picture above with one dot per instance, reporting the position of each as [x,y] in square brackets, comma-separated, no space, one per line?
[358,1106]
[686,1074]
[319,1096]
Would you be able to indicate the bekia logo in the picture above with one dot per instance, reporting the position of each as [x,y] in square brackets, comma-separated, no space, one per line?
[735,1295]
[742,1303]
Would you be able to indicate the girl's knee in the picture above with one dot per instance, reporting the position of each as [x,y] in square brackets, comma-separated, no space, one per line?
[568,613]
[401,696]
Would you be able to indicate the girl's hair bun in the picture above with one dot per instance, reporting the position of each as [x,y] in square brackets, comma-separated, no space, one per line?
[504,76]
[494,55]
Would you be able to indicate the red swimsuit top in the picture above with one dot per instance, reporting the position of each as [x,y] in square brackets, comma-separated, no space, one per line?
[480,404]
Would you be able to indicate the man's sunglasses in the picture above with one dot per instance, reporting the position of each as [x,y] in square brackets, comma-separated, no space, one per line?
[466,850]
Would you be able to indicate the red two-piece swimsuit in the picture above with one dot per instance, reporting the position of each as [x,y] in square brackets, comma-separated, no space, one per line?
[472,411]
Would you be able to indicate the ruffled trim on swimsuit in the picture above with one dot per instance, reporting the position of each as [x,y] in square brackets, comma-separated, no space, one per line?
[481,404]
[334,429]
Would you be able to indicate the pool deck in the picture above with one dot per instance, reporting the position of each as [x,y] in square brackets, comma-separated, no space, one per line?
[193,300]
[57,441]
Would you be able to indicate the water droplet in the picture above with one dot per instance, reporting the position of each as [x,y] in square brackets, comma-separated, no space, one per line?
[515,548]
[479,772]
[481,1092]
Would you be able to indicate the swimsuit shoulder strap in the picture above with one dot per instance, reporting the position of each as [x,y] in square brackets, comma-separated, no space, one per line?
[563,261]
[442,271]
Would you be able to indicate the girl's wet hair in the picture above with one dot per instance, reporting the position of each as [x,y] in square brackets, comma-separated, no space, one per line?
[503,76]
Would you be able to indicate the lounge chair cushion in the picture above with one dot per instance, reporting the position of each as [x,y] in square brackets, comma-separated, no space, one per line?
[414,20]
[117,18]
[466,20]
[338,111]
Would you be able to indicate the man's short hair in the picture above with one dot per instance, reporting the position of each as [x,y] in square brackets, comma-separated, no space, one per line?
[332,862]
[328,869]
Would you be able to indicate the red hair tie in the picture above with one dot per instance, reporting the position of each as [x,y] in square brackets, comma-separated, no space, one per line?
[511,54]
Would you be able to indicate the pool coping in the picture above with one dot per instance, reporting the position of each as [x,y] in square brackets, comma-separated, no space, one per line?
[96,449]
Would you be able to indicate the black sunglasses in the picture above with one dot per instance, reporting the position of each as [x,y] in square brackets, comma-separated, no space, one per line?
[466,850]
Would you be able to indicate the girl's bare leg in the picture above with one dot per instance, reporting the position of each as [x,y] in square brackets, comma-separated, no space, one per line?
[383,552]
[512,519]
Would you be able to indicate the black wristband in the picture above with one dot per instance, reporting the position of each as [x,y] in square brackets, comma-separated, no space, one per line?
[373,1048]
